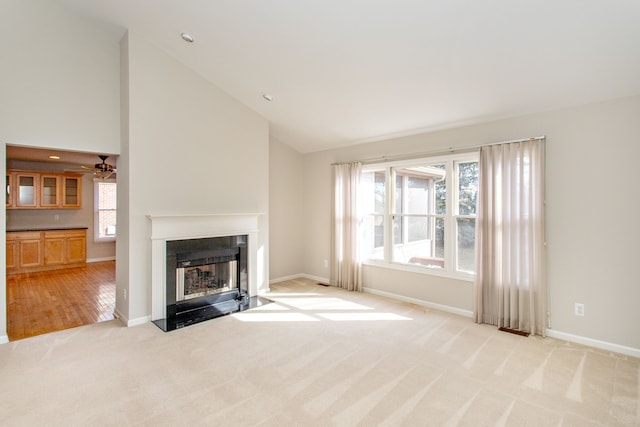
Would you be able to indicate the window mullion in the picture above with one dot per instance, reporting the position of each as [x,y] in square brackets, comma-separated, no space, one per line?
[405,209]
[450,235]
[388,217]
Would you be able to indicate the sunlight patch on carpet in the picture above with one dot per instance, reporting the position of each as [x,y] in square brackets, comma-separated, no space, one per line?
[248,316]
[362,316]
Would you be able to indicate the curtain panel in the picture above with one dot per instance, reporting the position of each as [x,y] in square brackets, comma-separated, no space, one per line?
[510,286]
[346,267]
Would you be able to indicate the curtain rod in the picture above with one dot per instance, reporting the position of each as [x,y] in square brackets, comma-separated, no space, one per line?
[449,150]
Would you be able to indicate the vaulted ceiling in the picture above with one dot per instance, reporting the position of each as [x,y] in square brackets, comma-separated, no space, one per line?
[351,71]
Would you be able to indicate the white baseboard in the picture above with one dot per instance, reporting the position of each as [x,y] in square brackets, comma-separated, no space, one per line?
[121,317]
[139,321]
[108,258]
[298,276]
[428,304]
[131,322]
[4,339]
[603,345]
[284,278]
[316,278]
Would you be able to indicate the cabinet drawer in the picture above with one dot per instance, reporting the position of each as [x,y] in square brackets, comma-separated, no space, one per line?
[55,234]
[76,233]
[23,235]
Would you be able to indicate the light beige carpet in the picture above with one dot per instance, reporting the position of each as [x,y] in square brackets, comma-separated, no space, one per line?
[317,357]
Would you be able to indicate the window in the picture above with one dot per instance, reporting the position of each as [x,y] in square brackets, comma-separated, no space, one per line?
[105,210]
[421,213]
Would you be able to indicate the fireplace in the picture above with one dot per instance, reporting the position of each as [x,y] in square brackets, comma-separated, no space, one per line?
[202,277]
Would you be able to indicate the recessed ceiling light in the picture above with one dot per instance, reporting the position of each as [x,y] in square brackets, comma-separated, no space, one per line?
[187,37]
[54,157]
[267,97]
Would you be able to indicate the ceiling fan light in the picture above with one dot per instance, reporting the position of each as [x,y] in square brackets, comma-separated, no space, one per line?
[103,167]
[103,174]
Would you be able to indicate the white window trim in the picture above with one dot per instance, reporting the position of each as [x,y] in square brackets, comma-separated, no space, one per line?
[450,218]
[96,218]
[428,271]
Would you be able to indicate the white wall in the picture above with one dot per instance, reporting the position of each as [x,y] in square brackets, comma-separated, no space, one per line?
[59,82]
[286,215]
[59,79]
[190,148]
[592,198]
[122,215]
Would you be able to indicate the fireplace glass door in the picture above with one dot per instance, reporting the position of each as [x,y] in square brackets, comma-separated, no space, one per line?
[193,282]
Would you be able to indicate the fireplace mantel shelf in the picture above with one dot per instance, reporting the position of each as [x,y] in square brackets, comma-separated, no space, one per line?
[192,215]
[176,226]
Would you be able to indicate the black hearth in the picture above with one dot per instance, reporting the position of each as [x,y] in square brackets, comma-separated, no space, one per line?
[206,278]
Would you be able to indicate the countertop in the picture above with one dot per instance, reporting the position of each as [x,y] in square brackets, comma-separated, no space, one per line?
[44,229]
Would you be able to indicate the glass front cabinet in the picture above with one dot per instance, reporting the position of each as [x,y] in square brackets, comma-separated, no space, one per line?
[43,190]
[26,190]
[71,191]
[49,191]
[9,189]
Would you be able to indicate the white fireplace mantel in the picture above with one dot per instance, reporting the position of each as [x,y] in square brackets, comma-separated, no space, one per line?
[196,226]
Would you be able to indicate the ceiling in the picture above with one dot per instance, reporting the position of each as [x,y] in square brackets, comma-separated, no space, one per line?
[352,71]
[66,157]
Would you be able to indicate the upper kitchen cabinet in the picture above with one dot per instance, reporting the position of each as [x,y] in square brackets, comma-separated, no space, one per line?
[10,190]
[43,190]
[27,187]
[49,190]
[72,191]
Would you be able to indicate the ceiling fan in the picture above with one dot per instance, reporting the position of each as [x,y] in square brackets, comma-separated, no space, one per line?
[100,170]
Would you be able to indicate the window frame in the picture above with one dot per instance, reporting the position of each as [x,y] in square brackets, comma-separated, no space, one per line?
[451,216]
[96,211]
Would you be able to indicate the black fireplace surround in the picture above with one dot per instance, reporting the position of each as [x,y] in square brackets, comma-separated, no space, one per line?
[206,278]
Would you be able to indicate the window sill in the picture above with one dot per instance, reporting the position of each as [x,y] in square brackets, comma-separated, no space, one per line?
[421,270]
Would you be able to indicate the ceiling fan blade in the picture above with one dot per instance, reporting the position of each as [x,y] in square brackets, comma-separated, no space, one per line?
[100,170]
[79,170]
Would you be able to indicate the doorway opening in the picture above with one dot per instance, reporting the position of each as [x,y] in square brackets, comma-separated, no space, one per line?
[60,266]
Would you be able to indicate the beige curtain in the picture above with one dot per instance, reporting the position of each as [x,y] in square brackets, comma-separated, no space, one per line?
[510,286]
[346,269]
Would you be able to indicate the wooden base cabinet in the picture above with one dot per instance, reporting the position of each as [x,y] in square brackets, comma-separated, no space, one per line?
[76,247]
[65,247]
[54,248]
[45,250]
[12,252]
[24,250]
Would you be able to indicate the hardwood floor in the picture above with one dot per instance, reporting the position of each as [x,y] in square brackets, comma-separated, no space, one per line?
[39,303]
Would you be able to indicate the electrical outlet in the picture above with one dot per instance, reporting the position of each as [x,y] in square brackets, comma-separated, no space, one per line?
[579,309]
[326,263]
